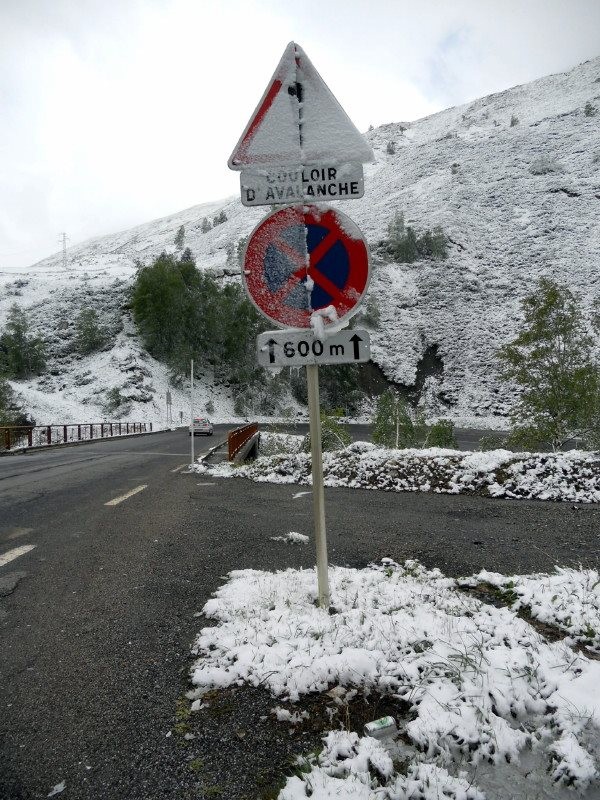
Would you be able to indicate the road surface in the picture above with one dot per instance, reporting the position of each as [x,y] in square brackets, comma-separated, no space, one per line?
[118,548]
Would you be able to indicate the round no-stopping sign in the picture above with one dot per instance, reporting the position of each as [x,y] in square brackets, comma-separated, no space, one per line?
[302,259]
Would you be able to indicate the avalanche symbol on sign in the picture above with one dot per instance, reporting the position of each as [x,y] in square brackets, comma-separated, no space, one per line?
[301,261]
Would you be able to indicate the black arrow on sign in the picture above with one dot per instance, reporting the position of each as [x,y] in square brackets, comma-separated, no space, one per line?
[355,340]
[271,343]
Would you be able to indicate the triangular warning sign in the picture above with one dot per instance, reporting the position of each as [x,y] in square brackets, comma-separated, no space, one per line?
[298,121]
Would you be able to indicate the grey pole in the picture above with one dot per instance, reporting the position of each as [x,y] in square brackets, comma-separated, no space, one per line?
[312,379]
[192,410]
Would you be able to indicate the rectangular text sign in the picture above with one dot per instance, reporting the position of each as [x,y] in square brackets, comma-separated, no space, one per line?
[297,348]
[265,187]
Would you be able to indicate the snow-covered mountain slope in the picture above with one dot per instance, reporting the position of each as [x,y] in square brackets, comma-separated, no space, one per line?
[513,179]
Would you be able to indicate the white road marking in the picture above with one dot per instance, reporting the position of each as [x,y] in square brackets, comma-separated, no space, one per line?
[205,484]
[120,499]
[12,554]
[181,466]
[300,494]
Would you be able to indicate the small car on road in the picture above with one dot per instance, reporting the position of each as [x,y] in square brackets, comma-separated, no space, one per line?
[202,425]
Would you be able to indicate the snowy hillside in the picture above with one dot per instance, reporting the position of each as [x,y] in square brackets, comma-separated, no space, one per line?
[513,179]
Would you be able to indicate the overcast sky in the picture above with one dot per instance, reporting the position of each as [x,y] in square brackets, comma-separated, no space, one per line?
[115,112]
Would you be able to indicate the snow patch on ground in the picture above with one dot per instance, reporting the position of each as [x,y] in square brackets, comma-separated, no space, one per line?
[572,476]
[482,687]
[293,537]
[566,598]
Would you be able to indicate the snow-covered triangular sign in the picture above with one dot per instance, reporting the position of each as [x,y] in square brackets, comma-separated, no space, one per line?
[298,121]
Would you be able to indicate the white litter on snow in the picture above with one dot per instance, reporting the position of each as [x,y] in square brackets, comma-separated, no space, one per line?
[567,598]
[573,476]
[475,685]
[293,537]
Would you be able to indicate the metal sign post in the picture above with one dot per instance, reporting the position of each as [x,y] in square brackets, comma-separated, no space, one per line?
[192,411]
[305,267]
[314,412]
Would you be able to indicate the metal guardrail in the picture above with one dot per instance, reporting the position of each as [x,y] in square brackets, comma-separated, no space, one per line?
[23,436]
[237,438]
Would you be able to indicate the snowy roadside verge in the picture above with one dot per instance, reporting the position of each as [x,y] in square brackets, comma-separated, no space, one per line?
[573,476]
[568,599]
[478,691]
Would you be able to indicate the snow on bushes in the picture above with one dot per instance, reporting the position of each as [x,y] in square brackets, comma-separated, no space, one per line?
[480,684]
[572,476]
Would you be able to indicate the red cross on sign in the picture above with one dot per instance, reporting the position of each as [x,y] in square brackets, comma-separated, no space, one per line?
[302,260]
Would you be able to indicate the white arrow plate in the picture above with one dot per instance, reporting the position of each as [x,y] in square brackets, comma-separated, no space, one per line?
[298,348]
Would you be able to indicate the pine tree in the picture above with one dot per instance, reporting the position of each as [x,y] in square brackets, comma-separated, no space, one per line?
[180,237]
[551,361]
[205,226]
[7,399]
[21,355]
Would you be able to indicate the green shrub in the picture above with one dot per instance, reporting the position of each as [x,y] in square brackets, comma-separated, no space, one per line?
[89,335]
[392,423]
[113,401]
[492,441]
[7,403]
[239,404]
[334,434]
[545,165]
[182,314]
[371,316]
[590,110]
[339,385]
[21,355]
[551,361]
[404,245]
[396,425]
[441,434]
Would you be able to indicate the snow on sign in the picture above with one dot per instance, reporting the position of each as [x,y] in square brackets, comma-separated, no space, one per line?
[298,121]
[305,267]
[298,348]
[310,183]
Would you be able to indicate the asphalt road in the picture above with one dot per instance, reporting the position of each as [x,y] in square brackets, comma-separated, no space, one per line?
[97,620]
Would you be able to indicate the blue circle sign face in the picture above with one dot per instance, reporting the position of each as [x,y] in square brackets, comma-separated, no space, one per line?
[302,259]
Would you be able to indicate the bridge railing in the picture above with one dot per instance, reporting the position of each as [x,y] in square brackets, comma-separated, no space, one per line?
[23,436]
[237,438]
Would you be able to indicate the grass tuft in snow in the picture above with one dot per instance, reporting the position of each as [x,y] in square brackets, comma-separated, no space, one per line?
[567,598]
[482,686]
